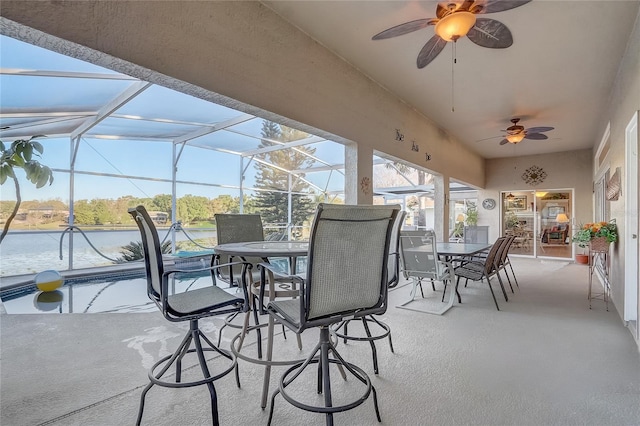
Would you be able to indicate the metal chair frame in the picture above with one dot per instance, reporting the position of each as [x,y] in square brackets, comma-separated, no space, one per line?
[367,226]
[185,307]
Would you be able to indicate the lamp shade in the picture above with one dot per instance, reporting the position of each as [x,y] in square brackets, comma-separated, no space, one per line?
[515,138]
[455,25]
[460,217]
[562,218]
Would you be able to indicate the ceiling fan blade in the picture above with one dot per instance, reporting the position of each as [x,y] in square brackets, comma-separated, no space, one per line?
[536,136]
[490,33]
[430,50]
[402,29]
[504,142]
[539,129]
[493,6]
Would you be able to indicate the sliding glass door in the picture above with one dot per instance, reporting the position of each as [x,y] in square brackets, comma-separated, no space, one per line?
[540,220]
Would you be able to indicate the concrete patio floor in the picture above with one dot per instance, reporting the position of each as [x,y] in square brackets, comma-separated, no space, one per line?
[544,359]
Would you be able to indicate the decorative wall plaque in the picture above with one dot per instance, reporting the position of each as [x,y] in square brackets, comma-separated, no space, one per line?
[365,185]
[534,175]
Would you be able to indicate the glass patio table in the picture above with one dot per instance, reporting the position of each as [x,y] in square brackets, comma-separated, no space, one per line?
[449,251]
[264,250]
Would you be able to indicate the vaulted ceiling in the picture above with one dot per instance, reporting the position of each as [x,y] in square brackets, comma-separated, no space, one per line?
[559,72]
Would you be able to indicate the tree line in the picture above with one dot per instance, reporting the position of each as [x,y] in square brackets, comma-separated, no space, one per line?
[271,205]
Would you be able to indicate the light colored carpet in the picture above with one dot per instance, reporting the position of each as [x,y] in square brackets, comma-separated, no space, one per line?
[544,359]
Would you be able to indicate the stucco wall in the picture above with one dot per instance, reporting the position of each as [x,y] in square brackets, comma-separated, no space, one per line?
[244,51]
[565,170]
[624,102]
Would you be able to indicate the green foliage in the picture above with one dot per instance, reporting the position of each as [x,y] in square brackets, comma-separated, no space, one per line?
[135,251]
[21,155]
[471,214]
[273,205]
[511,220]
[589,231]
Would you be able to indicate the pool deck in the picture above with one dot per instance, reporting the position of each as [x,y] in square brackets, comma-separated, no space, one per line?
[544,359]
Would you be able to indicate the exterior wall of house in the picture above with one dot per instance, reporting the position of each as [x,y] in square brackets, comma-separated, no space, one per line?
[247,53]
[565,170]
[623,102]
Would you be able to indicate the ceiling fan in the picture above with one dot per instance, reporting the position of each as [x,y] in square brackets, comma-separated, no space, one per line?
[455,20]
[516,133]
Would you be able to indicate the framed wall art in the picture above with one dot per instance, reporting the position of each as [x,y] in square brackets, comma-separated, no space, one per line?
[517,203]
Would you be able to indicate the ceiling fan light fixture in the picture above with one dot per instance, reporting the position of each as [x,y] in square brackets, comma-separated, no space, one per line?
[455,25]
[515,138]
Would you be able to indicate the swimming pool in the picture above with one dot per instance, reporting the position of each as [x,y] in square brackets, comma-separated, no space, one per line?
[124,292]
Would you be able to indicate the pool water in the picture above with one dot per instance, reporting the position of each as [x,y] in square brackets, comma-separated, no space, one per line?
[118,294]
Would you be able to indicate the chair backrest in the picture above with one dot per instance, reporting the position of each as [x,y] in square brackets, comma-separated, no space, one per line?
[476,234]
[490,260]
[420,254]
[237,228]
[152,252]
[393,267]
[347,262]
[506,248]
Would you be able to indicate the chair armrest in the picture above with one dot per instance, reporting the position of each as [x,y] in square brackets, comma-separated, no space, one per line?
[275,275]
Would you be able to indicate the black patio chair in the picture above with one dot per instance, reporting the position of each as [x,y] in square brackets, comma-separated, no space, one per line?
[191,305]
[383,329]
[346,277]
[481,268]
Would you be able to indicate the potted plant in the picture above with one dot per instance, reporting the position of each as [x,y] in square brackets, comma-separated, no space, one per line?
[598,235]
[21,154]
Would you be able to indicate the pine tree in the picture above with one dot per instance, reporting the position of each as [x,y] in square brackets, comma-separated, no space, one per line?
[272,205]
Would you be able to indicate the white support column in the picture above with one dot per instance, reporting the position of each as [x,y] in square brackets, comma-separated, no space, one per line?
[358,180]
[441,206]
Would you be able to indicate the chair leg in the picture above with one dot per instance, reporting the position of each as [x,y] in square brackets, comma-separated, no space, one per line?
[508,279]
[267,368]
[195,336]
[324,347]
[374,352]
[205,373]
[514,275]
[504,292]
[493,294]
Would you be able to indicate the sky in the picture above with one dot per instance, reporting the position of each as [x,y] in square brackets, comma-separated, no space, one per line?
[133,156]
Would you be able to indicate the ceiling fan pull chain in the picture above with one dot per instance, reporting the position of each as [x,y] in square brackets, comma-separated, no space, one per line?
[453,62]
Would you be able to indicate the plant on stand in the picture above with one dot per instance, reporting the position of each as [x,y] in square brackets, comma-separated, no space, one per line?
[602,232]
[20,155]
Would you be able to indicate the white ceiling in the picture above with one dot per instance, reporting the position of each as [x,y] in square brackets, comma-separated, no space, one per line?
[559,71]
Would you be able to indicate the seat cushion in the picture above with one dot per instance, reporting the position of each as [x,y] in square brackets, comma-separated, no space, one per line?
[201,300]
[288,309]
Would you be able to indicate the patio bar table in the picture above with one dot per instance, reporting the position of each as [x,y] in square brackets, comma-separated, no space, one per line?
[265,250]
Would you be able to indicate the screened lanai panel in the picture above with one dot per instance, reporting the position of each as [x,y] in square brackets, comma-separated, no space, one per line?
[208,166]
[329,180]
[44,94]
[226,140]
[328,152]
[56,153]
[160,102]
[54,126]
[259,128]
[125,158]
[18,54]
[141,128]
[90,188]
